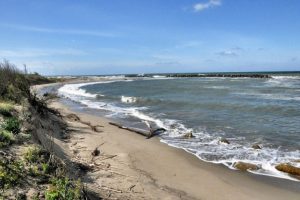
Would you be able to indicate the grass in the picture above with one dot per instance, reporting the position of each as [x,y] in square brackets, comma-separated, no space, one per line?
[33,155]
[14,85]
[6,138]
[12,124]
[6,109]
[64,189]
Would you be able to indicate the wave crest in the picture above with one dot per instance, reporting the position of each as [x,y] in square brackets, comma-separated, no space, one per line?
[125,99]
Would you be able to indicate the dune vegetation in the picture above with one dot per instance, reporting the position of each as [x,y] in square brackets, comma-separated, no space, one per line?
[27,169]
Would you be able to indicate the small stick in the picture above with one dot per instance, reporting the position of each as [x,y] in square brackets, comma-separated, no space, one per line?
[109,157]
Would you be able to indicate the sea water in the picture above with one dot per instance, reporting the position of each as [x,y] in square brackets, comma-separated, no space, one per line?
[245,111]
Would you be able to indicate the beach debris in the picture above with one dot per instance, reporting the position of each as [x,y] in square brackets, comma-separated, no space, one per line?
[75,151]
[153,129]
[155,132]
[49,96]
[96,152]
[97,128]
[188,135]
[108,157]
[288,168]
[83,166]
[245,166]
[256,146]
[74,143]
[149,134]
[135,130]
[131,187]
[224,140]
[73,117]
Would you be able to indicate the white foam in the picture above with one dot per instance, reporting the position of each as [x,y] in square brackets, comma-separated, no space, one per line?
[125,99]
[115,77]
[74,90]
[269,96]
[286,77]
[158,76]
[216,87]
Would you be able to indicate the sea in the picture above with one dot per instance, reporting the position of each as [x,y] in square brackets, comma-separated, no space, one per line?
[244,111]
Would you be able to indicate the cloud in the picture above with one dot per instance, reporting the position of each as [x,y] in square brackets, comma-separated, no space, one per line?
[163,57]
[62,31]
[210,4]
[168,63]
[227,53]
[237,48]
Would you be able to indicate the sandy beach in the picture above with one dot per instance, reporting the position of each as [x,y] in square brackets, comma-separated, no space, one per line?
[132,167]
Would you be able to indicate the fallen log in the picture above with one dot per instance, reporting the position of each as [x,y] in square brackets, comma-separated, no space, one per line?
[155,132]
[136,130]
[148,134]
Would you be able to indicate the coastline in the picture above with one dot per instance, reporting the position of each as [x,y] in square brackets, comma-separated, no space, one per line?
[158,171]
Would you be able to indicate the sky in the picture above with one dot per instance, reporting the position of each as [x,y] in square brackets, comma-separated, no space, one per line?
[91,37]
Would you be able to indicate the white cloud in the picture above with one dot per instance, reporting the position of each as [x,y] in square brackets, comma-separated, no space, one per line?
[211,3]
[62,31]
[227,53]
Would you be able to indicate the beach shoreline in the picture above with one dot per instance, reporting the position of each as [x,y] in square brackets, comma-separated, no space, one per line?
[164,172]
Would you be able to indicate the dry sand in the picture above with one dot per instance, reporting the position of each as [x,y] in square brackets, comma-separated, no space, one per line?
[132,167]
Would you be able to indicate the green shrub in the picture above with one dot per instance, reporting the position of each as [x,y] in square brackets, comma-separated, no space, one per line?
[36,155]
[64,189]
[45,168]
[11,173]
[6,138]
[12,124]
[34,170]
[32,155]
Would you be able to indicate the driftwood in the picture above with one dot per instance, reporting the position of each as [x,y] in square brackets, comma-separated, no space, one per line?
[149,134]
[136,130]
[155,132]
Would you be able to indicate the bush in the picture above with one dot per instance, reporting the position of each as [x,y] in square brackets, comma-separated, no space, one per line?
[64,189]
[10,173]
[12,124]
[6,138]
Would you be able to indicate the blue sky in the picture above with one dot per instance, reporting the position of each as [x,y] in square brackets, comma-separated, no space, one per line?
[142,36]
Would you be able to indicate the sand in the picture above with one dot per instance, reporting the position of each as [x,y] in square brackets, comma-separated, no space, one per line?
[132,167]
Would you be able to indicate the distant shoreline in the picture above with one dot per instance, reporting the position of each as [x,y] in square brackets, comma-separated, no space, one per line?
[200,74]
